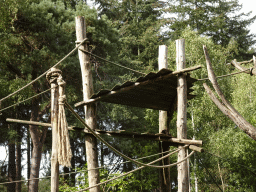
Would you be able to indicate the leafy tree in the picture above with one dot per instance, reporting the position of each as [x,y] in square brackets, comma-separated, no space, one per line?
[219,20]
[221,137]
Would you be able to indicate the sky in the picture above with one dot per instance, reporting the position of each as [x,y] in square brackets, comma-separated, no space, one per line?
[248,5]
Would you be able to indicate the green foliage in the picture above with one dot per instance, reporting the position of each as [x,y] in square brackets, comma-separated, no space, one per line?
[218,20]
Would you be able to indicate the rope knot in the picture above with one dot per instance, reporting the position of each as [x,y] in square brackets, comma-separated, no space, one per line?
[52,75]
[62,99]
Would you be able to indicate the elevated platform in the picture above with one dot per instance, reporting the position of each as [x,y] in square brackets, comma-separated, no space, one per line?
[154,91]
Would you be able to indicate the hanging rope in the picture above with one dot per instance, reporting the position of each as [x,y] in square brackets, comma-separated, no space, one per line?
[122,175]
[64,149]
[110,146]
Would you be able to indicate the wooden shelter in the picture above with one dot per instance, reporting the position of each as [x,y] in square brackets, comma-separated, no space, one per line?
[154,91]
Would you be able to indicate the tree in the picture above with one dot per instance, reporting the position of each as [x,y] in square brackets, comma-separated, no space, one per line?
[221,137]
[219,20]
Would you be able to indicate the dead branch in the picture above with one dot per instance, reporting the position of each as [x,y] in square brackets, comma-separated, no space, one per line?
[241,68]
[226,107]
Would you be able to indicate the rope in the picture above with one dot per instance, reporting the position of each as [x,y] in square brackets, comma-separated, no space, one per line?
[137,170]
[64,148]
[227,74]
[63,174]
[210,174]
[26,99]
[111,62]
[39,77]
[106,143]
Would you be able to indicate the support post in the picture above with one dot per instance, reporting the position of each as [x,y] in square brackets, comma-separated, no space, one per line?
[54,124]
[183,178]
[90,110]
[164,174]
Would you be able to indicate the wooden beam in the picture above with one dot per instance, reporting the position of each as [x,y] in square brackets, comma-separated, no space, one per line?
[137,85]
[54,125]
[90,110]
[164,174]
[183,174]
[120,133]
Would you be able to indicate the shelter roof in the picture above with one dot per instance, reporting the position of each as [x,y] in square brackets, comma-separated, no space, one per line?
[154,91]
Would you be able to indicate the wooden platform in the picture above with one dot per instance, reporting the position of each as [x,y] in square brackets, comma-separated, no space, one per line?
[154,91]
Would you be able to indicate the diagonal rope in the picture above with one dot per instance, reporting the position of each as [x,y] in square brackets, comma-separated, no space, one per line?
[137,170]
[26,99]
[110,146]
[42,75]
[75,172]
[111,61]
[210,174]
[227,74]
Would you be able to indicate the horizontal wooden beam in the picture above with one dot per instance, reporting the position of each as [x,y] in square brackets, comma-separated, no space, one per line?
[137,84]
[120,133]
[71,128]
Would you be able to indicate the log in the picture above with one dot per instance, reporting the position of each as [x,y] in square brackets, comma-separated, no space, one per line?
[90,110]
[241,68]
[183,174]
[164,174]
[119,133]
[54,125]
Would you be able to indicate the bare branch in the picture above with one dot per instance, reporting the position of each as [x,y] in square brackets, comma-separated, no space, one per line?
[241,68]
[228,109]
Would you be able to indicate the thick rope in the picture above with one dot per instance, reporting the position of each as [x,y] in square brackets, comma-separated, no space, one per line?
[110,146]
[42,75]
[137,170]
[26,99]
[111,62]
[64,148]
[75,172]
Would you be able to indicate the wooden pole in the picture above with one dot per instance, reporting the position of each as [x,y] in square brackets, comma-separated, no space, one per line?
[164,174]
[183,181]
[54,123]
[90,110]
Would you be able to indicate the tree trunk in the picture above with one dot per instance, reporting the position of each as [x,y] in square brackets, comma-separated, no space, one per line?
[38,139]
[73,163]
[28,155]
[18,157]
[11,166]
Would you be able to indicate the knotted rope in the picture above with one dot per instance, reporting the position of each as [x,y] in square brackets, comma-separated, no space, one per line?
[64,149]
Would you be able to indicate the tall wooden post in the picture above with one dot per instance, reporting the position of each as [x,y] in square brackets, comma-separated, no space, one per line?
[54,123]
[183,179]
[90,110]
[164,174]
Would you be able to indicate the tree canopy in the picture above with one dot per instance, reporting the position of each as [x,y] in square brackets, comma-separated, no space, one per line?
[37,34]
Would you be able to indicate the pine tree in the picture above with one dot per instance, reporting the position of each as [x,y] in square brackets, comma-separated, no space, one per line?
[221,20]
